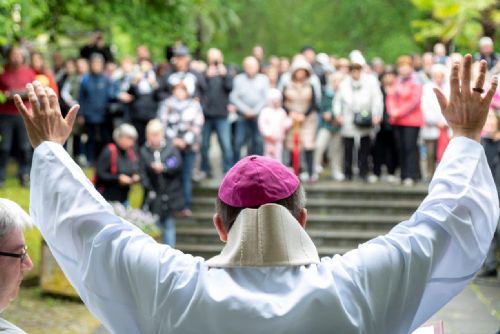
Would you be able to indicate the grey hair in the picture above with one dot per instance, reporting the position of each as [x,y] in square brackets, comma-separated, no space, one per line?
[294,203]
[12,217]
[125,130]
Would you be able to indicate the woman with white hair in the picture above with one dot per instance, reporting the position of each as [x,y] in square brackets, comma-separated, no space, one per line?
[117,166]
[14,260]
[433,118]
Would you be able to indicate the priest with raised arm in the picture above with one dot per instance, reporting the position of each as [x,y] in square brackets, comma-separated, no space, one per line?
[269,277]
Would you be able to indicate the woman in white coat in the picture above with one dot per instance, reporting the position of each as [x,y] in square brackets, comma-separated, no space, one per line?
[358,95]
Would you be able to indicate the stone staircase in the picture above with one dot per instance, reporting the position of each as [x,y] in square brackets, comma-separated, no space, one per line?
[341,215]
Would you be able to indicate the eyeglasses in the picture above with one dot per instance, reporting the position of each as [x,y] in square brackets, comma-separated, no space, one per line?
[20,256]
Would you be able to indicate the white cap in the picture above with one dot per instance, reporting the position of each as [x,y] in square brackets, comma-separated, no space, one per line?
[356,57]
[484,41]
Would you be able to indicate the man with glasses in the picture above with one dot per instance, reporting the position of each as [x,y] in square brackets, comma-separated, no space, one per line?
[14,260]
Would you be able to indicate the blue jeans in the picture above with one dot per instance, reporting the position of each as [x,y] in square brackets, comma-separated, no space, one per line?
[188,159]
[169,231]
[223,130]
[247,132]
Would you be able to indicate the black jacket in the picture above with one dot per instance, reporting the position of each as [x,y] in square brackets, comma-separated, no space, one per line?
[217,95]
[163,192]
[144,107]
[107,182]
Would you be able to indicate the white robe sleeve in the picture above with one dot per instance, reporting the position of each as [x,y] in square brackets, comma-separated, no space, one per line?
[404,277]
[117,270]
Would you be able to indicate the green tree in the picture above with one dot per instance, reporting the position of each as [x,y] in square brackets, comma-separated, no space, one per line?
[459,22]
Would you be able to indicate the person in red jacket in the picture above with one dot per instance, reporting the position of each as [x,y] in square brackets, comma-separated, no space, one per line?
[13,81]
[403,107]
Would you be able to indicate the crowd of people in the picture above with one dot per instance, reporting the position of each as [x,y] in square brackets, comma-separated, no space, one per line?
[147,123]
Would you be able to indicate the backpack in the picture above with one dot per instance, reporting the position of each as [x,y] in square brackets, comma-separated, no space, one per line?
[113,165]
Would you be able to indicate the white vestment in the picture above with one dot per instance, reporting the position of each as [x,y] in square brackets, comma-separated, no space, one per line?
[391,284]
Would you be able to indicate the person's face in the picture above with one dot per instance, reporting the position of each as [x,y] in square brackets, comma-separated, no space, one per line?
[272,75]
[58,60]
[300,75]
[214,56]
[486,49]
[276,103]
[258,52]
[427,62]
[274,62]
[438,78]
[405,70]
[82,66]
[16,57]
[343,68]
[12,269]
[284,65]
[356,73]
[388,79]
[142,52]
[96,66]
[127,65]
[180,93]
[440,50]
[98,39]
[182,63]
[310,55]
[69,67]
[251,67]
[154,138]
[37,62]
[378,68]
[417,61]
[125,142]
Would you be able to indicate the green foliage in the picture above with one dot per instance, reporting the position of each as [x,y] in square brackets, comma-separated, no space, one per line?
[376,27]
[385,28]
[458,21]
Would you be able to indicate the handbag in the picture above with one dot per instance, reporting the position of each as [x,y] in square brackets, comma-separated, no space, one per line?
[363,119]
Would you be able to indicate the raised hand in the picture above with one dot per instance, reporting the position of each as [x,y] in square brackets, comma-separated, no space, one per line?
[467,109]
[44,121]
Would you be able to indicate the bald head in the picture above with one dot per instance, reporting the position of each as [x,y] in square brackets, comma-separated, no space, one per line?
[251,66]
[214,56]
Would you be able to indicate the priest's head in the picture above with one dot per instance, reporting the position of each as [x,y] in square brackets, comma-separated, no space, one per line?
[255,181]
[14,260]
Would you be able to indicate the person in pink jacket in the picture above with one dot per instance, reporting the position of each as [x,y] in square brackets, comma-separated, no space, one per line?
[273,124]
[403,106]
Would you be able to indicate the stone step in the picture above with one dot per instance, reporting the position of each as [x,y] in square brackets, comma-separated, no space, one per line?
[209,250]
[324,238]
[335,206]
[341,190]
[357,222]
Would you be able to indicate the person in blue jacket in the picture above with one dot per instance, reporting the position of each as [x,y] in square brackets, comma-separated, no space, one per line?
[96,91]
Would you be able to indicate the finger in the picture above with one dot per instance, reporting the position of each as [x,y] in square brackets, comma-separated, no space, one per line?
[493,88]
[42,96]
[443,101]
[18,101]
[482,75]
[35,105]
[467,63]
[72,114]
[455,82]
[53,100]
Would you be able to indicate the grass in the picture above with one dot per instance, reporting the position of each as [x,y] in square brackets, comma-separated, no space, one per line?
[20,195]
